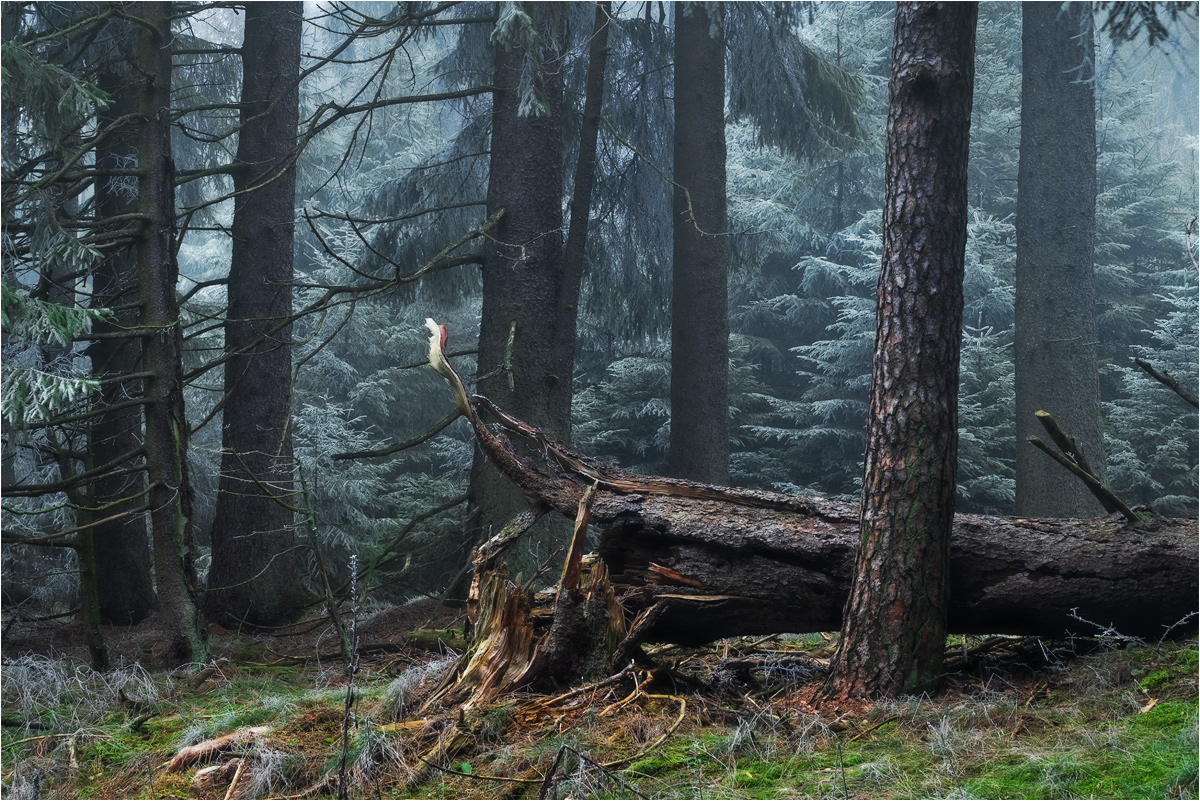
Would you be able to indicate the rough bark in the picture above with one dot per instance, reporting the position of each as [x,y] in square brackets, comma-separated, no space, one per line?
[166,431]
[1055,339]
[894,625]
[699,284]
[255,562]
[729,562]
[522,262]
[123,558]
[725,570]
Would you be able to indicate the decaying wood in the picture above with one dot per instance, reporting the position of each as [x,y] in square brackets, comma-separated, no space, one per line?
[765,572]
[691,563]
[503,648]
[214,776]
[218,746]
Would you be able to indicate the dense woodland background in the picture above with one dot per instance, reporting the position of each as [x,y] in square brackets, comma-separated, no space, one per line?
[389,143]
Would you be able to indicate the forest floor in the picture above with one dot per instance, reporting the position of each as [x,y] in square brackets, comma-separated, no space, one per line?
[1018,718]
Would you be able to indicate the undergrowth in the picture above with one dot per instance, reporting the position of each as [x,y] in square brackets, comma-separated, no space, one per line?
[1118,723]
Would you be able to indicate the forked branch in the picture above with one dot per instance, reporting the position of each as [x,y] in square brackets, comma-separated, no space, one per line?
[1073,459]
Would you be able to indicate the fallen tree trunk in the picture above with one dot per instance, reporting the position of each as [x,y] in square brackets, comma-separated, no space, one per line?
[691,563]
[709,569]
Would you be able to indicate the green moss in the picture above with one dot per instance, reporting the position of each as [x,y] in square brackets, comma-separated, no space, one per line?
[1182,665]
[681,755]
[1170,715]
[659,763]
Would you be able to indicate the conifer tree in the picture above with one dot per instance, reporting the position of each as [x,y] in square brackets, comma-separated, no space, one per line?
[123,560]
[894,623]
[522,262]
[1055,347]
[255,562]
[699,283]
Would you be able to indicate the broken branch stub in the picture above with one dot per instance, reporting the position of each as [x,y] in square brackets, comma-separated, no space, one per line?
[1073,459]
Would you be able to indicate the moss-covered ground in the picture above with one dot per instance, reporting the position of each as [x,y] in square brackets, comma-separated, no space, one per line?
[1021,720]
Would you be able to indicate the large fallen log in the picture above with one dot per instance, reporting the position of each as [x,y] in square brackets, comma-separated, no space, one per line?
[715,569]
[691,563]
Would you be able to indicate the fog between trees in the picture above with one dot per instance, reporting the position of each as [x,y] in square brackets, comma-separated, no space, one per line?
[196,407]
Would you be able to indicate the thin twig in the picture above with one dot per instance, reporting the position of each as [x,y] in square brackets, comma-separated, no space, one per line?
[682,711]
[870,729]
[237,774]
[485,777]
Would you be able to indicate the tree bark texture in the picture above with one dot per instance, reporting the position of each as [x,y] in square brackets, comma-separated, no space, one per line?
[699,284]
[894,626]
[122,554]
[166,430]
[723,570]
[519,364]
[728,562]
[1055,343]
[255,563]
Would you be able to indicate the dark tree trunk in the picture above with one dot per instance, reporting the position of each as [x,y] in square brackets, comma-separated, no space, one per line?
[185,638]
[723,570]
[123,559]
[255,570]
[699,284]
[575,250]
[1055,342]
[523,261]
[894,625]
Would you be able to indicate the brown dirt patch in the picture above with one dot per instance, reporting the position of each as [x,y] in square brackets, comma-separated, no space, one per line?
[314,734]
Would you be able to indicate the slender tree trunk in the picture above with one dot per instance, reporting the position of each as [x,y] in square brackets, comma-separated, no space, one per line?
[894,625]
[255,570]
[1056,221]
[123,558]
[700,292]
[184,638]
[519,359]
[89,599]
[575,250]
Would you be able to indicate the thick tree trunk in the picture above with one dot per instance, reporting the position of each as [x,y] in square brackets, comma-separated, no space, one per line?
[123,558]
[523,260]
[185,638]
[1055,305]
[723,570]
[699,284]
[255,564]
[894,626]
